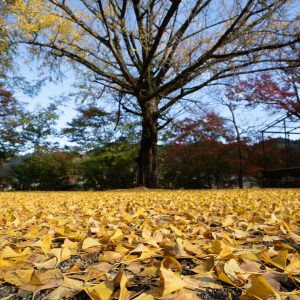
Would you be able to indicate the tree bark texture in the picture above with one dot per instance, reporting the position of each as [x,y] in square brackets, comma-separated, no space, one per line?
[147,158]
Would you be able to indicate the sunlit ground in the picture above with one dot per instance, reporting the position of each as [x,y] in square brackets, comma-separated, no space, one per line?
[147,244]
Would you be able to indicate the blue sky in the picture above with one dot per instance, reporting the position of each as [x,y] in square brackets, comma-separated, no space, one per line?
[50,90]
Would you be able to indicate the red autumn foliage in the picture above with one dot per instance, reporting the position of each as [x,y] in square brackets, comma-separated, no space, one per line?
[279,90]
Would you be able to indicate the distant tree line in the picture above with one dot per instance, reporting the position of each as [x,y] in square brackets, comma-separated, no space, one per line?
[199,151]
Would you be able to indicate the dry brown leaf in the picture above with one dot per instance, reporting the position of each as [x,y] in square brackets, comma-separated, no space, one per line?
[250,266]
[171,263]
[47,264]
[110,257]
[179,249]
[150,271]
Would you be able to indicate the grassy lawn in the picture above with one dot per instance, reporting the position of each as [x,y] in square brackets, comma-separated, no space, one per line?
[150,245]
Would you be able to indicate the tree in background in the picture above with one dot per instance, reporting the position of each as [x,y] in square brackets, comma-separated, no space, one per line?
[44,171]
[107,146]
[278,90]
[38,127]
[240,141]
[154,53]
[91,128]
[196,158]
[11,112]
[94,127]
[108,167]
[5,48]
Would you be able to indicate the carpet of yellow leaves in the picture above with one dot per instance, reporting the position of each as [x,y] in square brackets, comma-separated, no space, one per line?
[147,245]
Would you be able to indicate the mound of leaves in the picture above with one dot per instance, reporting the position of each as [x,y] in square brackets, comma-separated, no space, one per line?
[147,245]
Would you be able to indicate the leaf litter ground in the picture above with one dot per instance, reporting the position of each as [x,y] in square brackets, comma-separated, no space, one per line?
[147,245]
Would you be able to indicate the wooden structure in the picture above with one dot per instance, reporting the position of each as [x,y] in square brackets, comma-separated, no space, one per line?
[285,127]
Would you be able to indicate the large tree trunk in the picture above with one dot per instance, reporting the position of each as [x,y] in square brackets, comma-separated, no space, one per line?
[147,158]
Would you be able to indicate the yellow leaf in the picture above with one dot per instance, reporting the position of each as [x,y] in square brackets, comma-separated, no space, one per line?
[48,275]
[285,226]
[46,244]
[121,249]
[228,221]
[70,245]
[90,242]
[134,267]
[203,281]
[140,212]
[216,247]
[176,230]
[250,226]
[102,266]
[226,253]
[144,296]
[295,237]
[16,222]
[223,277]
[148,254]
[140,248]
[8,252]
[25,275]
[118,235]
[124,293]
[170,282]
[260,288]
[233,271]
[101,291]
[12,278]
[188,246]
[62,293]
[146,234]
[35,279]
[280,259]
[61,254]
[72,283]
[294,266]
